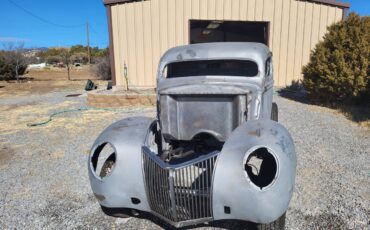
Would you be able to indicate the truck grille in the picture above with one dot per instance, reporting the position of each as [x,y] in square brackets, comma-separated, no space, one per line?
[180,193]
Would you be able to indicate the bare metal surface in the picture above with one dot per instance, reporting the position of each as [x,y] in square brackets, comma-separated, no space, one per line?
[126,179]
[213,104]
[246,200]
[234,110]
[183,191]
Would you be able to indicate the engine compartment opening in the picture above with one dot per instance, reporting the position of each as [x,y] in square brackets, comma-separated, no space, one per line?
[103,160]
[179,151]
[261,167]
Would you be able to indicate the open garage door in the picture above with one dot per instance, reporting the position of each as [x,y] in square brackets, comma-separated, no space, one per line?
[202,31]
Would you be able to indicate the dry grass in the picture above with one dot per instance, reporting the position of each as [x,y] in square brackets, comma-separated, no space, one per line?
[45,81]
[77,73]
[16,116]
[19,117]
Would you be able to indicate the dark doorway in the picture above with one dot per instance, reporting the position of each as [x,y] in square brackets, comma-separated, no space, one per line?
[202,31]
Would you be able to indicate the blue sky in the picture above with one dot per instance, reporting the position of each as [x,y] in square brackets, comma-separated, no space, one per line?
[46,23]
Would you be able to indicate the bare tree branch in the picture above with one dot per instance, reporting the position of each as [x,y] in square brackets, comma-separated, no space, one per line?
[13,55]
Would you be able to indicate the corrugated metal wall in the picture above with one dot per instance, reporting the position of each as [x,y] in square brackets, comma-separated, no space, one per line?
[144,30]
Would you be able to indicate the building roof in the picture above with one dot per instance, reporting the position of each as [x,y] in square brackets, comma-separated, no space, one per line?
[326,2]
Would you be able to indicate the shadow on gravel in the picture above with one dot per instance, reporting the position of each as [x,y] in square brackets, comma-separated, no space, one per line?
[322,221]
[224,224]
[356,113]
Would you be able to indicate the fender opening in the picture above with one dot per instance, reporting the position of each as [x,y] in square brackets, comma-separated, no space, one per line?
[103,160]
[261,167]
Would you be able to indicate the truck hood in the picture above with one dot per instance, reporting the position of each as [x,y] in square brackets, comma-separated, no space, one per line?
[209,85]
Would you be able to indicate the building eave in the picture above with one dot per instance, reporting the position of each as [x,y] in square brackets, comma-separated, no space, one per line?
[335,3]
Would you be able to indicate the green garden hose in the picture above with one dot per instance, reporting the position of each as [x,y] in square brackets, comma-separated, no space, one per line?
[76,110]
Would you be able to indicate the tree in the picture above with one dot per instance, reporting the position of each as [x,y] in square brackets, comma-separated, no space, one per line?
[102,68]
[79,57]
[14,57]
[53,59]
[66,54]
[339,68]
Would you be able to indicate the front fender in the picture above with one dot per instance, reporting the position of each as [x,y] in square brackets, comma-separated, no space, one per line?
[126,180]
[235,196]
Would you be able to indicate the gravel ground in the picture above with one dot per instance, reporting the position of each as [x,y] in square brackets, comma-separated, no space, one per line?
[44,182]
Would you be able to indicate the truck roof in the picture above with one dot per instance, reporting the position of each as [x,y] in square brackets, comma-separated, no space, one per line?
[257,52]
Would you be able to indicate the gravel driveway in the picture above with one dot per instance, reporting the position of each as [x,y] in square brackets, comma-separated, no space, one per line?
[44,182]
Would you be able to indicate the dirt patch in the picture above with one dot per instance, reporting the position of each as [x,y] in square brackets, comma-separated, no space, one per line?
[79,73]
[45,81]
[13,89]
[112,99]
[6,155]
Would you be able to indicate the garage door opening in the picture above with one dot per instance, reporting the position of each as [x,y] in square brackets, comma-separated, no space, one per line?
[202,31]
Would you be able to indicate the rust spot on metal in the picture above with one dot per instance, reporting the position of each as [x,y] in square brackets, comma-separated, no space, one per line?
[191,53]
[197,124]
[126,125]
[256,133]
[99,197]
[120,127]
[273,132]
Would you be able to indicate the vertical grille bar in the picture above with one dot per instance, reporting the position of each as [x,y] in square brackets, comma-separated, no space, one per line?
[179,193]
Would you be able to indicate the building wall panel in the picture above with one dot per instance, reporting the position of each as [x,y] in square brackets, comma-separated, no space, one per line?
[307,33]
[195,8]
[315,26]
[155,36]
[144,30]
[235,6]
[243,10]
[290,48]
[284,36]
[187,16]
[339,14]
[276,34]
[148,70]
[139,43]
[323,20]
[331,16]
[251,10]
[133,76]
[180,22]
[268,15]
[227,9]
[203,10]
[259,10]
[211,8]
[116,37]
[219,9]
[298,49]
[171,11]
[163,24]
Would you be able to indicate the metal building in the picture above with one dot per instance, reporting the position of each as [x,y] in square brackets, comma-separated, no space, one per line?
[141,31]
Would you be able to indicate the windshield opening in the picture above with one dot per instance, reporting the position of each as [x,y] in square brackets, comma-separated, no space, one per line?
[240,68]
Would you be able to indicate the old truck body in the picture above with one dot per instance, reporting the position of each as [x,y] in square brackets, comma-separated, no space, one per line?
[215,150]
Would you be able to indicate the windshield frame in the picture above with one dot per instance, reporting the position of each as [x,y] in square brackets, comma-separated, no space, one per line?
[164,68]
